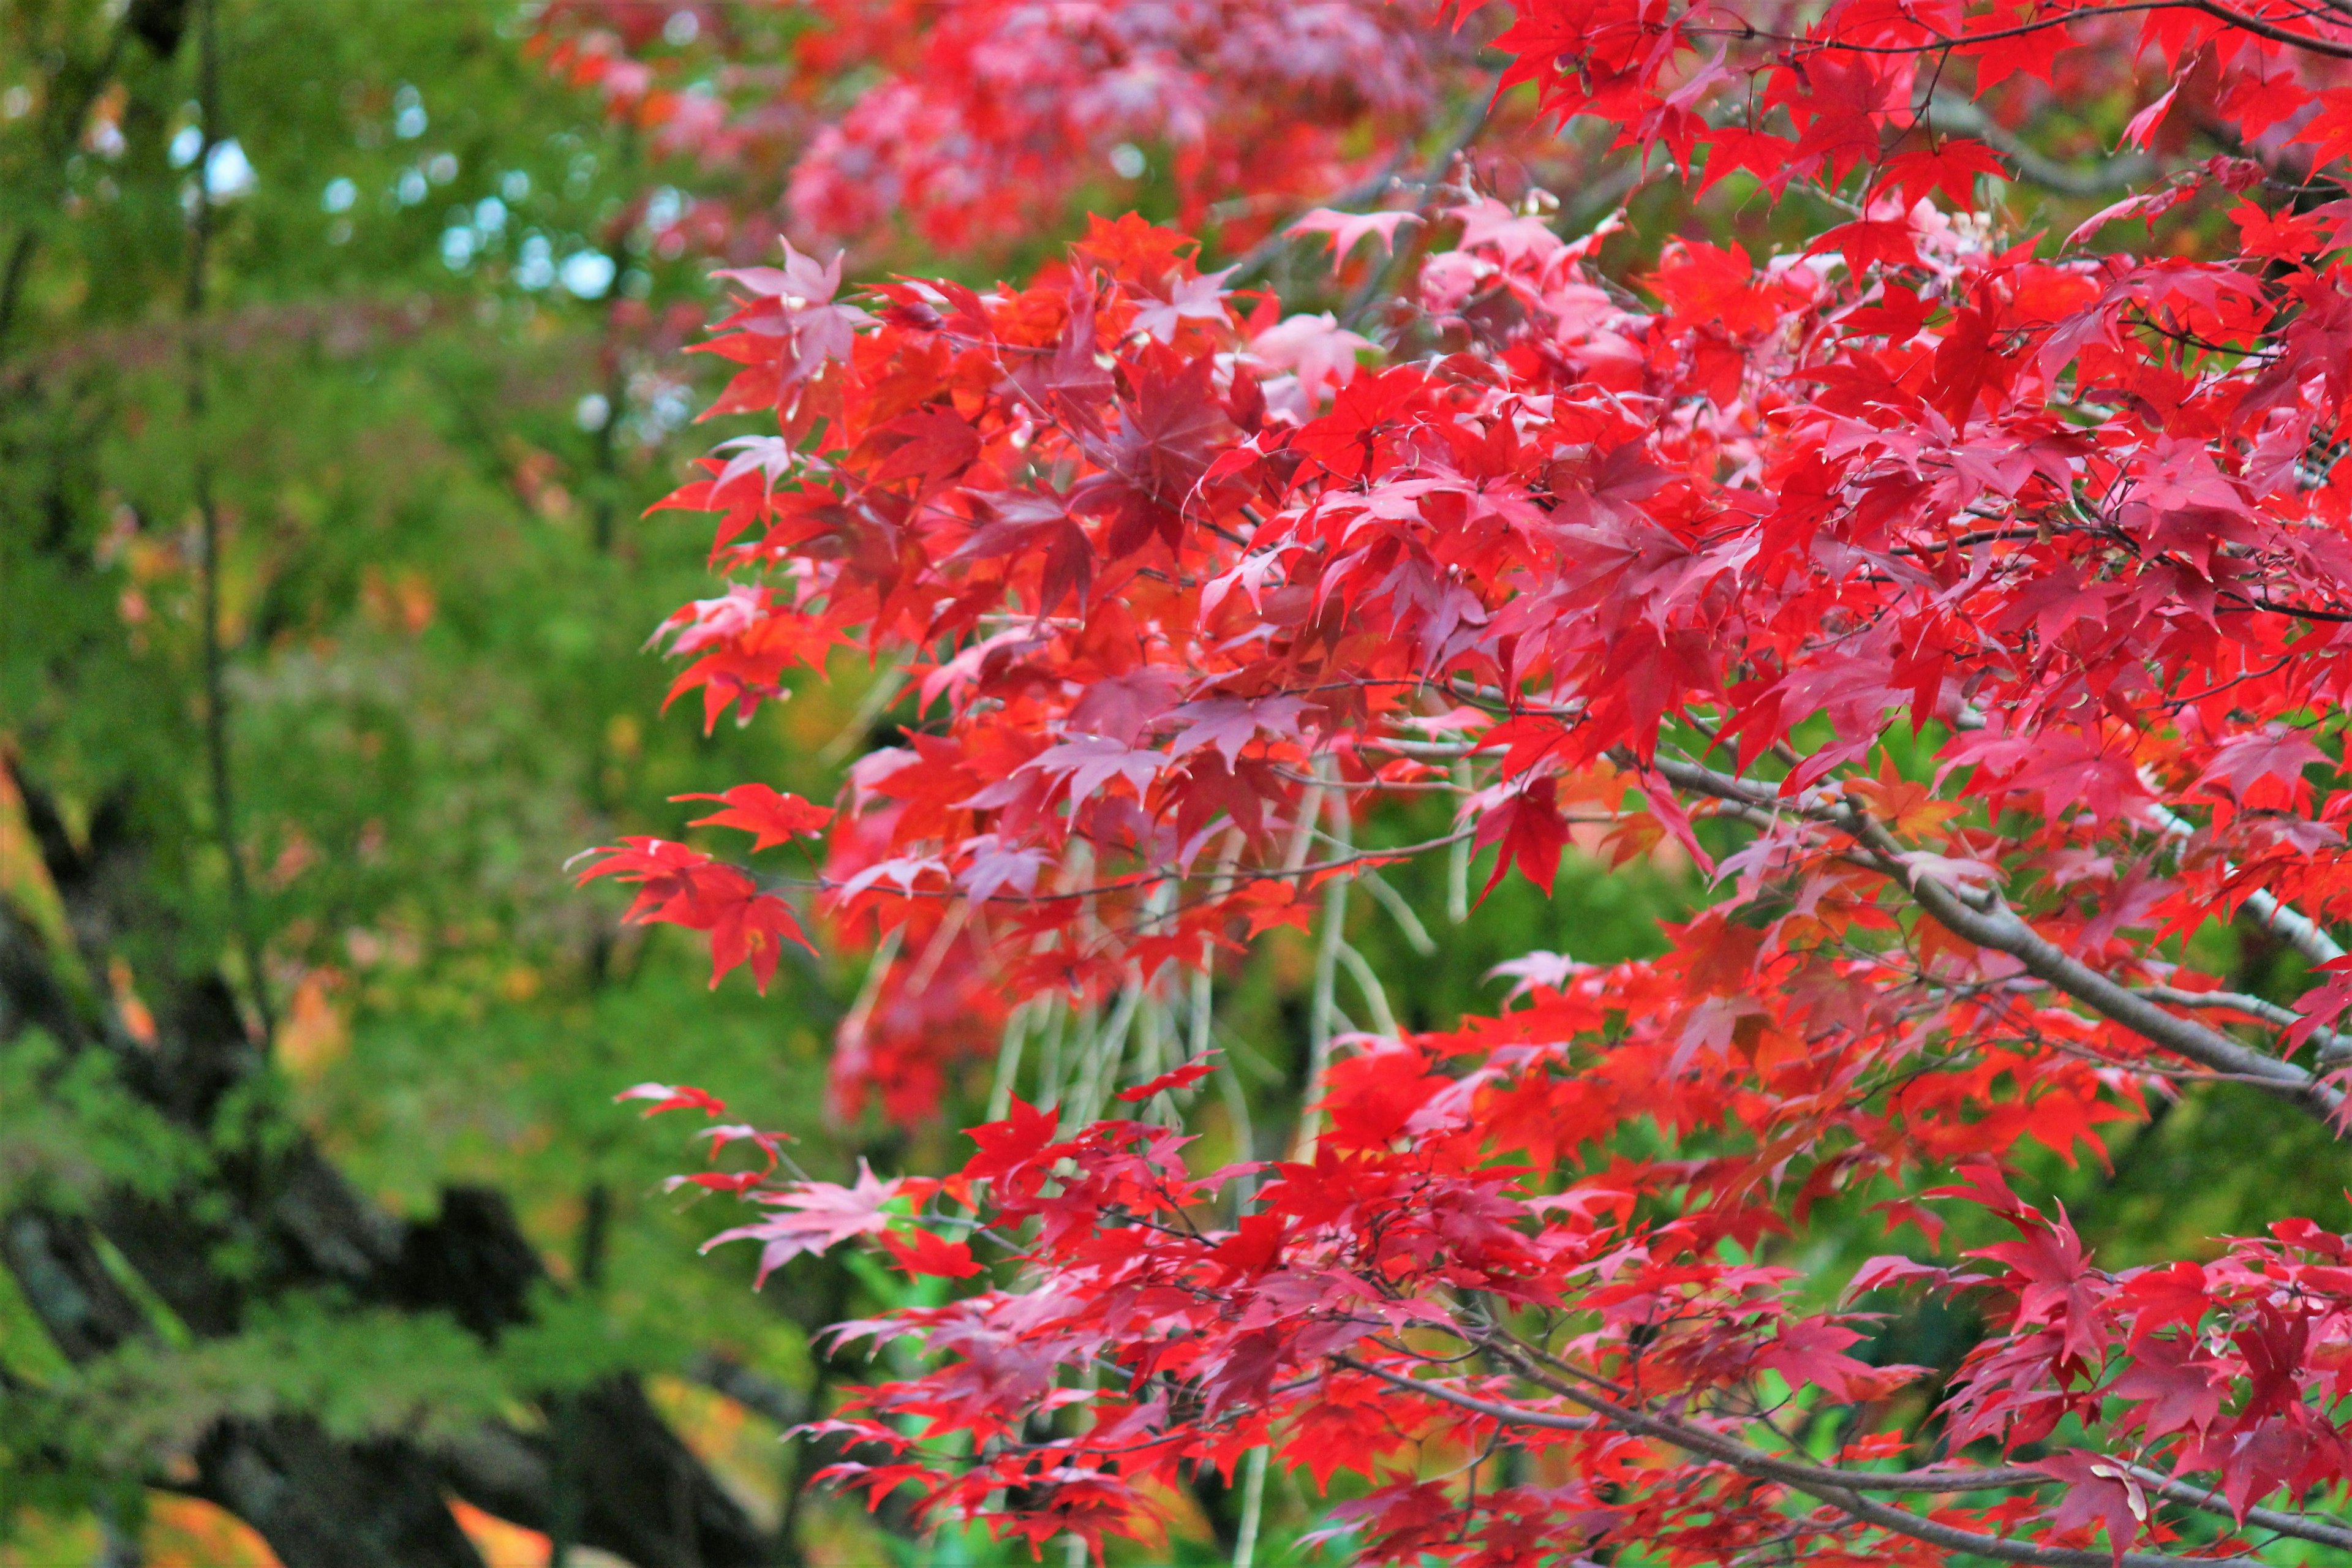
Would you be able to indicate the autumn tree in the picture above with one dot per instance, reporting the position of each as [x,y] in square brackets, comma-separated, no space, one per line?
[1963,598]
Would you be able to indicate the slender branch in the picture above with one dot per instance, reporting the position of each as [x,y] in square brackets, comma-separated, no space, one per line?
[1987,923]
[1842,1491]
[1375,994]
[1955,114]
[2291,925]
[216,757]
[2334,1047]
[1253,1508]
[1330,936]
[1416,935]
[1968,1479]
[1008,1059]
[12,280]
[1934,41]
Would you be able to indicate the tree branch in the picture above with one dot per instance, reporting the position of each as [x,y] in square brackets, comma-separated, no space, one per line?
[1953,112]
[1989,923]
[1840,1490]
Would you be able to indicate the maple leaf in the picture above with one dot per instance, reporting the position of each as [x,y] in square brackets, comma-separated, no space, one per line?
[1884,1272]
[1174,1078]
[1345,439]
[1866,243]
[1005,1146]
[1151,464]
[933,446]
[2285,236]
[1527,830]
[2141,130]
[810,330]
[1230,723]
[2172,1390]
[675,884]
[1069,385]
[1091,762]
[2147,206]
[2033,52]
[753,931]
[1517,237]
[818,1215]
[1905,808]
[2099,1490]
[1021,522]
[2245,761]
[1343,231]
[1703,282]
[1239,790]
[770,457]
[920,1252]
[2320,1007]
[1131,246]
[1530,971]
[994,871]
[1982,1183]
[776,818]
[1316,349]
[1201,299]
[2056,1284]
[2074,771]
[1952,167]
[1813,1352]
[1271,904]
[1124,706]
[666,1098]
[2256,99]
[2271,1455]
[1760,152]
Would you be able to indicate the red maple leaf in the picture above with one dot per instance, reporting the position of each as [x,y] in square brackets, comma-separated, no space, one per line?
[816,1216]
[920,1252]
[1527,830]
[760,809]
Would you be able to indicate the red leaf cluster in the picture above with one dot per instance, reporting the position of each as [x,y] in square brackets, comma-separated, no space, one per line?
[1972,608]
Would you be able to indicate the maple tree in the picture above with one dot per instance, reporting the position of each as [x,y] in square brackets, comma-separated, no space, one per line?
[971,126]
[1968,604]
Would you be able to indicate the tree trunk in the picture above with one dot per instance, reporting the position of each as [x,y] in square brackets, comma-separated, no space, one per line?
[278,1203]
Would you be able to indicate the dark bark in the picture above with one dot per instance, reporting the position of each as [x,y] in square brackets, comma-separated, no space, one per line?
[643,1495]
[56,1265]
[323,1504]
[160,24]
[318,1503]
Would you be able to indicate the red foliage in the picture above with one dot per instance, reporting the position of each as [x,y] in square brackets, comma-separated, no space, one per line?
[970,122]
[1983,600]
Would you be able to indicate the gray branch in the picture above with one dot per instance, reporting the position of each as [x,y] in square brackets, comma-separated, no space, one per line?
[1951,112]
[1989,923]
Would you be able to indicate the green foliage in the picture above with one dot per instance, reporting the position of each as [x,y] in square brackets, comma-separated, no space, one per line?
[68,1131]
[433,589]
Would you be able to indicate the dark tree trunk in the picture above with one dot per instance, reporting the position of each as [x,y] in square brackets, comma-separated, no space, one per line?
[277,1201]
